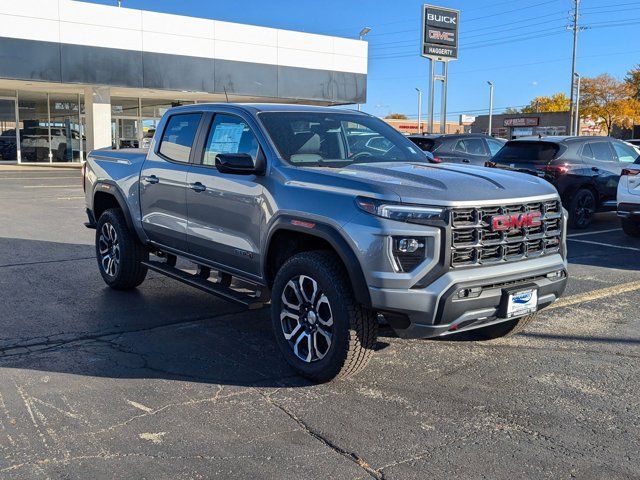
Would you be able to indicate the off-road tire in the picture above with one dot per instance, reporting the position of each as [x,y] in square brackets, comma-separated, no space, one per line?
[631,227]
[130,272]
[355,327]
[503,329]
[583,198]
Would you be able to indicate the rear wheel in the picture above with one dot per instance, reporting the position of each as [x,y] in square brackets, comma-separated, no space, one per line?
[582,209]
[631,227]
[119,252]
[503,329]
[320,329]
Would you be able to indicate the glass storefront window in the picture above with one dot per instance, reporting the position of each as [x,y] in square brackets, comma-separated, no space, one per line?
[8,140]
[66,130]
[33,115]
[124,107]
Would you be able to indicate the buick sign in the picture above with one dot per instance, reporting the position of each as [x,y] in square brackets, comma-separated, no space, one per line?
[440,33]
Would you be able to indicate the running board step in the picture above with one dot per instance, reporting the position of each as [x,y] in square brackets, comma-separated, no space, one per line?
[252,303]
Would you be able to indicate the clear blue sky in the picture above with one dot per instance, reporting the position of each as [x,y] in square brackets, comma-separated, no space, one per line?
[521,45]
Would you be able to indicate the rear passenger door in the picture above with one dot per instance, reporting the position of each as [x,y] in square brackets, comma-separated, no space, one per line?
[605,168]
[163,182]
[225,211]
[471,150]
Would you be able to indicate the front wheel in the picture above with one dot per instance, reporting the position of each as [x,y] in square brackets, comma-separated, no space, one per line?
[320,329]
[582,209]
[631,227]
[119,252]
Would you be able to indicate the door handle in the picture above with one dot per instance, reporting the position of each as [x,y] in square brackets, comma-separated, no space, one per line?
[465,160]
[197,187]
[595,169]
[152,179]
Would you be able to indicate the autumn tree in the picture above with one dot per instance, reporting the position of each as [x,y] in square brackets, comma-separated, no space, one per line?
[633,82]
[608,101]
[397,116]
[558,102]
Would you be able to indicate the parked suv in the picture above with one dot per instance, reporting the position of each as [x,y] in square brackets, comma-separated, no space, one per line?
[584,170]
[629,199]
[471,148]
[331,231]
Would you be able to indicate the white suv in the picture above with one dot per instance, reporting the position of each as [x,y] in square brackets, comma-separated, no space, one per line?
[629,199]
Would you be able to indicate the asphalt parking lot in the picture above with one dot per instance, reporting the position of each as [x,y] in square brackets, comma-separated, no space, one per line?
[168,382]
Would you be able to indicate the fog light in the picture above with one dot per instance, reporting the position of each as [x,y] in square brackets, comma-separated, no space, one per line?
[555,275]
[473,292]
[409,245]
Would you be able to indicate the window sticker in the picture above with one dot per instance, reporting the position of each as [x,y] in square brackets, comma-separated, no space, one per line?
[225,139]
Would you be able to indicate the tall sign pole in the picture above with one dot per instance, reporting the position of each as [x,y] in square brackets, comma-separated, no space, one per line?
[439,44]
[576,28]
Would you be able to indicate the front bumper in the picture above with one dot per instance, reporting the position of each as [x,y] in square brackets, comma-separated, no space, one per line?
[439,310]
[629,210]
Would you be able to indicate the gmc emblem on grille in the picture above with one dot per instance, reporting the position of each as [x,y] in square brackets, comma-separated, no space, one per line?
[508,222]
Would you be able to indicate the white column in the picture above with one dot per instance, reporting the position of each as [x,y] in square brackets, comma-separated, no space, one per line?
[97,105]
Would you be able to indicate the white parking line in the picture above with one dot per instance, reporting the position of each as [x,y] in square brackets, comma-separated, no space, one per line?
[51,186]
[593,233]
[605,244]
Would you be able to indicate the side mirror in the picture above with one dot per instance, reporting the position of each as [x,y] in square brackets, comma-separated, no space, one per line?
[239,164]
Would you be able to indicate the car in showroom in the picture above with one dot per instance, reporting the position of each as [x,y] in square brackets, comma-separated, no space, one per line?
[629,199]
[470,148]
[584,170]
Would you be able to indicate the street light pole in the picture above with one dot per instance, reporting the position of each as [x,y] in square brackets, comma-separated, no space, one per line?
[419,111]
[576,129]
[363,33]
[575,27]
[490,107]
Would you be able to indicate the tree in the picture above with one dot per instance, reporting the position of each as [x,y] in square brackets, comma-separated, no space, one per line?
[511,111]
[558,102]
[633,81]
[397,116]
[608,101]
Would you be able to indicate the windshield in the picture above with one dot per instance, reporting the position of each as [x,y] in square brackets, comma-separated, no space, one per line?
[527,152]
[310,139]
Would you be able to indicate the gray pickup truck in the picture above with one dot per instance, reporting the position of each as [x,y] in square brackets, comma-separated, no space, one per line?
[295,206]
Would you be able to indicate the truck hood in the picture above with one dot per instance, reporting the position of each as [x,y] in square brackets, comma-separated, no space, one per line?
[445,184]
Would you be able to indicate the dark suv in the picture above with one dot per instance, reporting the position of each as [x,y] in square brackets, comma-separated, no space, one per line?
[475,149]
[584,170]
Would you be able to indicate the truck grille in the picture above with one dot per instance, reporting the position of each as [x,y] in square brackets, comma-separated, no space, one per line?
[474,242]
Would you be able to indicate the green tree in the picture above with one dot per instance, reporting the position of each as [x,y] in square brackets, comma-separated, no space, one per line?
[633,82]
[511,111]
[397,116]
[558,102]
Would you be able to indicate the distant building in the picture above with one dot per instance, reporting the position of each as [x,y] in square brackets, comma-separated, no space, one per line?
[518,125]
[411,126]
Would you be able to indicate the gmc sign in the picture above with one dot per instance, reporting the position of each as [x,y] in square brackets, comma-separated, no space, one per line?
[501,223]
[440,33]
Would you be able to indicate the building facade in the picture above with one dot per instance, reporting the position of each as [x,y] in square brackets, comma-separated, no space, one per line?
[410,127]
[512,126]
[75,76]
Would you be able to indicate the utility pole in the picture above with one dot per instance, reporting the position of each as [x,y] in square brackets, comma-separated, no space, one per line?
[490,107]
[576,28]
[119,3]
[576,130]
[363,33]
[419,111]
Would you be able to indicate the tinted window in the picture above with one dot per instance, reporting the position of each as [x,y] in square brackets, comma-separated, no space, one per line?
[601,151]
[494,145]
[328,139]
[528,152]
[229,134]
[178,136]
[625,153]
[425,144]
[472,146]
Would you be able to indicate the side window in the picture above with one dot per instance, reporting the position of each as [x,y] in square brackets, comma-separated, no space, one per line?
[229,134]
[494,146]
[602,151]
[472,146]
[178,136]
[587,152]
[625,153]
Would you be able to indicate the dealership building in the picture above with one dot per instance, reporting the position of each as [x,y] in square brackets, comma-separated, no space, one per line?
[75,76]
[519,125]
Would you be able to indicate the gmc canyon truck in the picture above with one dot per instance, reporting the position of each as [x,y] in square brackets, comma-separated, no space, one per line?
[285,205]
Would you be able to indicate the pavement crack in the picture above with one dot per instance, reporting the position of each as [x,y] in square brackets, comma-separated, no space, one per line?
[351,456]
[44,262]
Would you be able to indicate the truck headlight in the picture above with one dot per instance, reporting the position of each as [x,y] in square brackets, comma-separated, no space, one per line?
[424,215]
